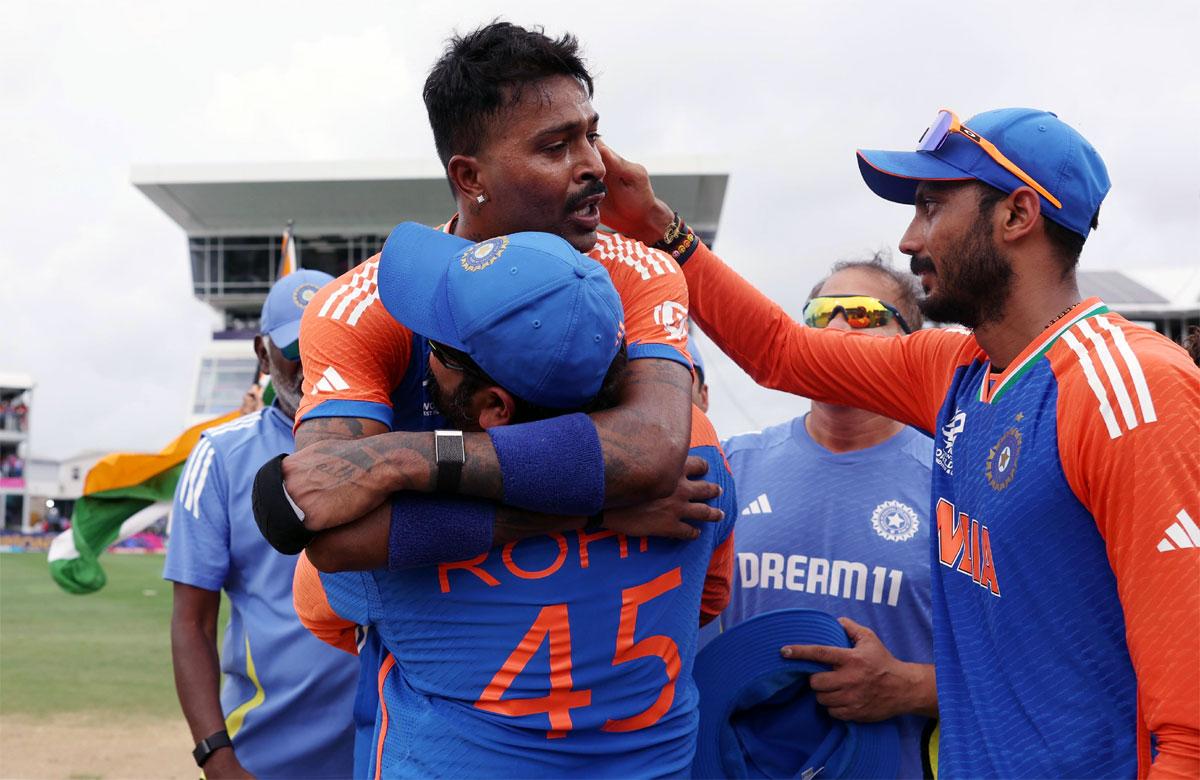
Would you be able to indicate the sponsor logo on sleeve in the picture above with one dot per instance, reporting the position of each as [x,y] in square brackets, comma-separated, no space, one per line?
[673,317]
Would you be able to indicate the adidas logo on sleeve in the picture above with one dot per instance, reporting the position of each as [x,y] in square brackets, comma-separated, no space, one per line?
[1181,535]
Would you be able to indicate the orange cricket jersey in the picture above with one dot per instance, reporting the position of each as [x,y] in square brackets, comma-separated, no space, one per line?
[1066,564]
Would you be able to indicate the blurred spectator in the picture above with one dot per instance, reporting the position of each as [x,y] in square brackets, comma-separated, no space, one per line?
[1192,343]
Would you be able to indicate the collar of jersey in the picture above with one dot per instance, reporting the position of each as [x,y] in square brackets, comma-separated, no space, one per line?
[449,225]
[999,385]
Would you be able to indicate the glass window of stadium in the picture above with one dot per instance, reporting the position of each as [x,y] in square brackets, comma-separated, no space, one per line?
[223,266]
[222,383]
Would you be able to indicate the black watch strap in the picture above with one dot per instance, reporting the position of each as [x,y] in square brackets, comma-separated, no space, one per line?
[209,745]
[451,454]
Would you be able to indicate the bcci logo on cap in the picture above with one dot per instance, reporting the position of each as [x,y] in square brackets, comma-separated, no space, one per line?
[303,294]
[483,254]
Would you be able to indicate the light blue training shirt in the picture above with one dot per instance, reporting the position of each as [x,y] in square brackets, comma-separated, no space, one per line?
[845,533]
[287,696]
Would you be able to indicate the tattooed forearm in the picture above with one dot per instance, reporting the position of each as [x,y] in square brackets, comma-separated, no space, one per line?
[512,525]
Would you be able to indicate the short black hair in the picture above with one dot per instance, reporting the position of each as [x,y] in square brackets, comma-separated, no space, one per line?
[908,295]
[484,72]
[476,379]
[1068,244]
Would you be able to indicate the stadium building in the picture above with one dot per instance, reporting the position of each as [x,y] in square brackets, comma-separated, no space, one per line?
[234,217]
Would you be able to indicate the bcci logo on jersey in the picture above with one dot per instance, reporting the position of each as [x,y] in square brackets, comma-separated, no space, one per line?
[1002,459]
[895,521]
[945,453]
[483,254]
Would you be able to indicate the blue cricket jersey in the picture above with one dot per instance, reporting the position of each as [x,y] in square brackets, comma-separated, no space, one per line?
[287,697]
[1067,549]
[557,655]
[845,533]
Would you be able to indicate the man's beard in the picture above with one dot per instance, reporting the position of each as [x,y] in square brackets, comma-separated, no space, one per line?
[456,406]
[974,283]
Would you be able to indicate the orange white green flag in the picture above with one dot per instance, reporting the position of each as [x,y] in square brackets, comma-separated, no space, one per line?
[120,495]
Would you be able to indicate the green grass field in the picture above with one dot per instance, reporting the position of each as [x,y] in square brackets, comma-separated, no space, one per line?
[106,652]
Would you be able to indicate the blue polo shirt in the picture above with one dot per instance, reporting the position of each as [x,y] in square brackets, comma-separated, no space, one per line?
[287,697]
[845,533]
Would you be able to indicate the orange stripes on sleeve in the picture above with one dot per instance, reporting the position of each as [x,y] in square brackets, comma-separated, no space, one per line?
[905,378]
[718,582]
[315,612]
[1129,438]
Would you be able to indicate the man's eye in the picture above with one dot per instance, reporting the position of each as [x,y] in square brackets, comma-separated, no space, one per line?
[593,137]
[554,148]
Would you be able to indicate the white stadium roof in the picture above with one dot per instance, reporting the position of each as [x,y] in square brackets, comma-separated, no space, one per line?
[361,196]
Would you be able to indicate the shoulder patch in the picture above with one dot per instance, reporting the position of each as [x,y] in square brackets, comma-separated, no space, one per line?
[1113,373]
[357,291]
[614,248]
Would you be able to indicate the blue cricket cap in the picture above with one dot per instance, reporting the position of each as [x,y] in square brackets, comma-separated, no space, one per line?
[1052,152]
[285,304]
[759,718]
[541,319]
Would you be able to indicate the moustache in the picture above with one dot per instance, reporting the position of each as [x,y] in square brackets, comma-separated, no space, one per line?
[595,187]
[920,265]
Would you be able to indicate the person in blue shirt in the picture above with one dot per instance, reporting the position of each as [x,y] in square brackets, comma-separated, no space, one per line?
[287,700]
[834,516]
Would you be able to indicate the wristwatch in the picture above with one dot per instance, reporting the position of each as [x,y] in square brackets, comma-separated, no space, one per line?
[209,745]
[451,454]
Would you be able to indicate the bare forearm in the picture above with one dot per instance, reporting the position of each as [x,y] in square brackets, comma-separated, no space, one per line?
[362,545]
[922,692]
[197,677]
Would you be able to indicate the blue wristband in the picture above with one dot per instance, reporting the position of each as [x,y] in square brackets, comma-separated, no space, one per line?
[429,529]
[552,466]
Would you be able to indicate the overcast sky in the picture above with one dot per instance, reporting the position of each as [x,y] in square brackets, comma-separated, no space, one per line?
[95,296]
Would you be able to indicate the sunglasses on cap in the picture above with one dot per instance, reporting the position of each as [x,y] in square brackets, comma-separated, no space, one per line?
[860,311]
[947,123]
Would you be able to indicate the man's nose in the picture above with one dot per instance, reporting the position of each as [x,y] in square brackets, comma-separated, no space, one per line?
[838,321]
[911,243]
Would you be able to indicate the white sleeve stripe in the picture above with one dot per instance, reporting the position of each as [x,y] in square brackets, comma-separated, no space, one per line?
[202,478]
[193,463]
[1089,370]
[1114,374]
[1135,369]
[197,461]
[190,489]
[362,308]
[1189,525]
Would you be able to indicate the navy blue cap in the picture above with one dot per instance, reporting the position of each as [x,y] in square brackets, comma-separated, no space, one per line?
[285,304]
[759,718]
[541,319]
[1052,152]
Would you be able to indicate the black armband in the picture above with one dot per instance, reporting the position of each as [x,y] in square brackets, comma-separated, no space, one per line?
[274,511]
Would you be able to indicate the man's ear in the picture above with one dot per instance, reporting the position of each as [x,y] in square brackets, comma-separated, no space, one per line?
[261,352]
[496,407]
[1020,210]
[466,175]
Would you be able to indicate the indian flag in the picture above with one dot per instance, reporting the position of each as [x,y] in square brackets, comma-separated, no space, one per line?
[287,253]
[122,495]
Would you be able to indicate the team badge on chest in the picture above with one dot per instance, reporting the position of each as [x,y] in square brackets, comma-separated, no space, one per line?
[1002,459]
[895,521]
